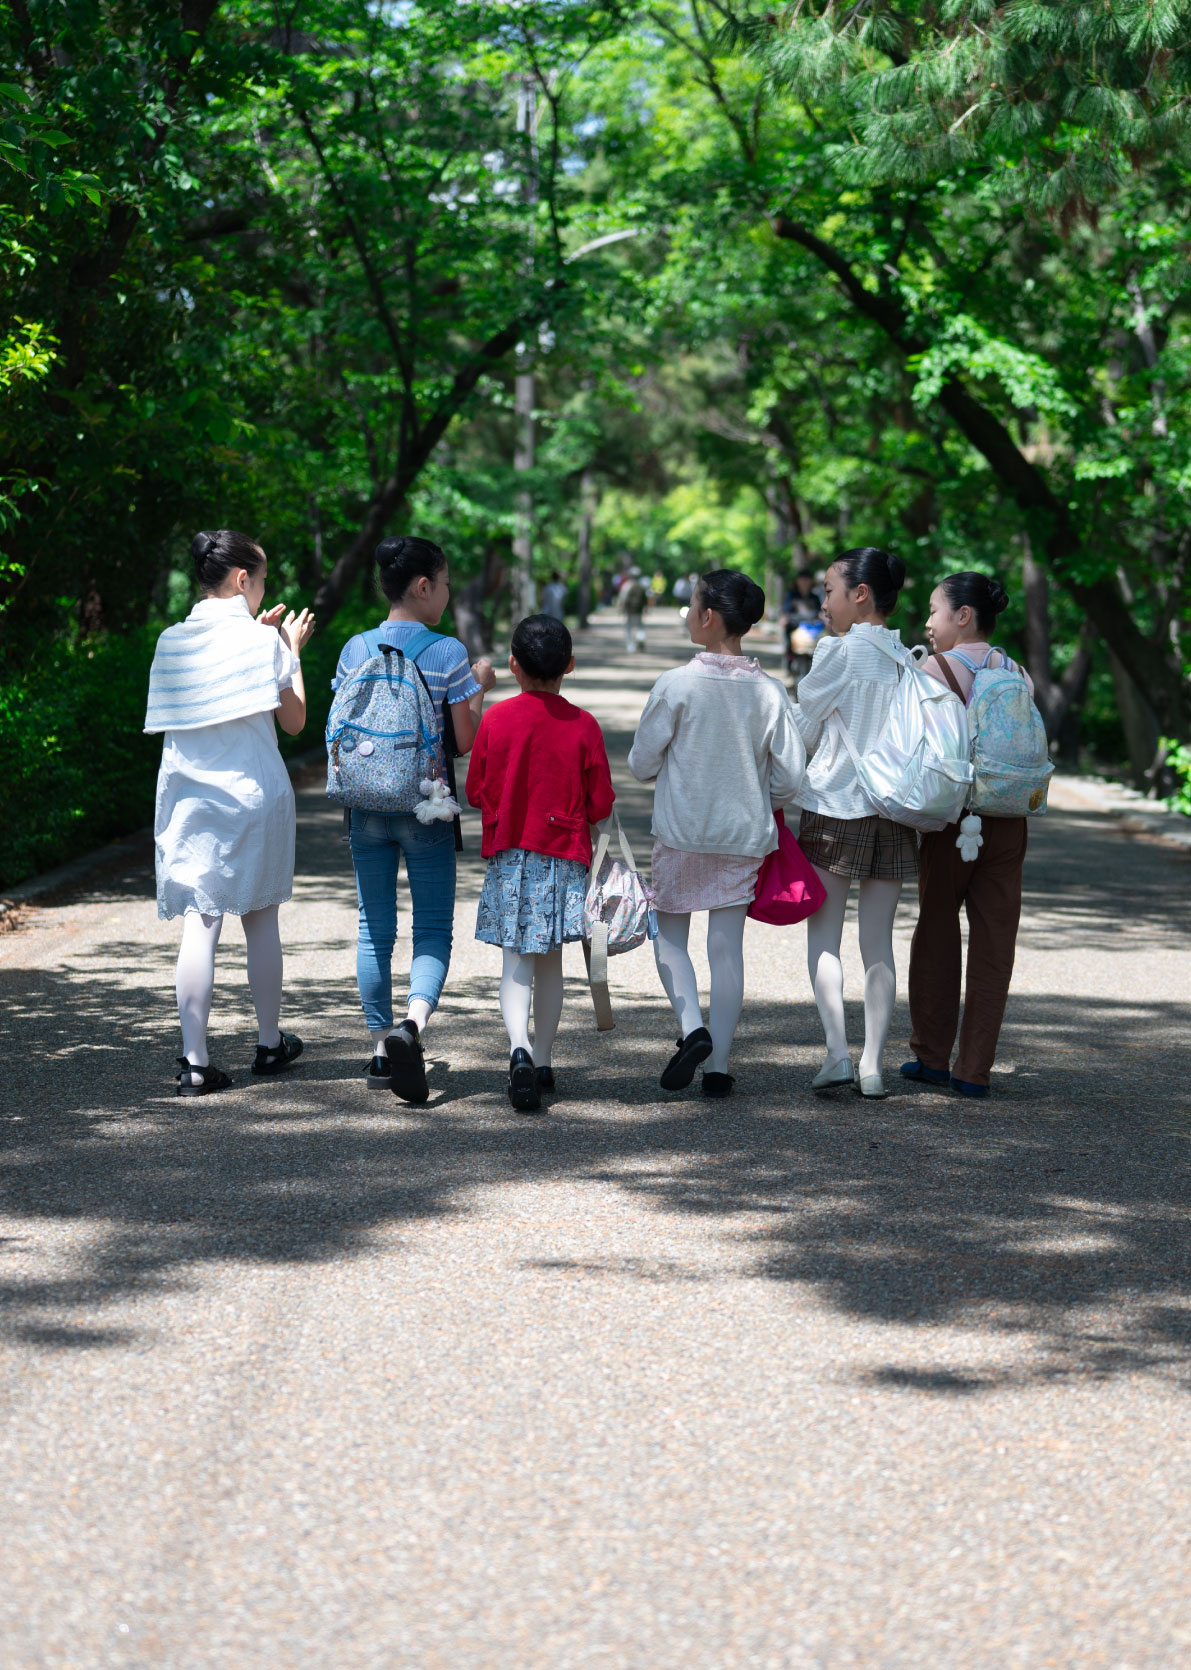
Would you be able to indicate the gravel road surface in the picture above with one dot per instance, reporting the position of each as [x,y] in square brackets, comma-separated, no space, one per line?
[300,1376]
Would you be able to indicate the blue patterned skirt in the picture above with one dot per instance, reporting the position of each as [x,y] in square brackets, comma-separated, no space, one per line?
[531,903]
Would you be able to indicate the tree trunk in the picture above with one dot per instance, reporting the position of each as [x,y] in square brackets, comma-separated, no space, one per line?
[1140,725]
[523,457]
[587,507]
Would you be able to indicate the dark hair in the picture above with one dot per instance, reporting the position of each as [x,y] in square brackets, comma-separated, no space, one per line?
[868,565]
[737,600]
[220,553]
[986,598]
[403,560]
[805,574]
[543,647]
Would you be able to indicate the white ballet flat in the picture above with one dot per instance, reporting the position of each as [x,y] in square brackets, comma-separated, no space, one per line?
[835,1076]
[872,1085]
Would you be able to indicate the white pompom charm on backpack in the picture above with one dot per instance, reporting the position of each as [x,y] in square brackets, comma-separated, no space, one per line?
[970,840]
[439,804]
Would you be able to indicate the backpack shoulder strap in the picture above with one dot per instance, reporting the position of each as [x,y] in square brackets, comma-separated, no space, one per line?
[950,676]
[371,641]
[420,643]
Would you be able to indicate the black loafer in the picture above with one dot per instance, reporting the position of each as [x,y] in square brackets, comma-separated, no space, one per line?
[523,1083]
[718,1084]
[545,1077]
[281,1056]
[212,1079]
[680,1069]
[376,1077]
[407,1063]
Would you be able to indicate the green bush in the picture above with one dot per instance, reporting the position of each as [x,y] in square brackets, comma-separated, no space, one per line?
[76,766]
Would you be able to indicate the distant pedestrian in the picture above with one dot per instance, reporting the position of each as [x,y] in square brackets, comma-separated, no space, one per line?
[224,824]
[415,579]
[720,738]
[963,613]
[684,588]
[539,774]
[852,681]
[632,602]
[554,596]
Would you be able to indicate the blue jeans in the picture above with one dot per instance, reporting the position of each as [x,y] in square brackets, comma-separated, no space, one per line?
[377,843]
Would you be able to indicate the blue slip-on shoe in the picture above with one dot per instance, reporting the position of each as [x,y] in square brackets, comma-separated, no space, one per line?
[966,1089]
[926,1075]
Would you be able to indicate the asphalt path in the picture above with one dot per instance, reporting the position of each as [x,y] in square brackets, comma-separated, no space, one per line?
[301,1376]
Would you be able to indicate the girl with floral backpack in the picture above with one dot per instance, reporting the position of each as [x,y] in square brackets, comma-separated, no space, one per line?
[976,862]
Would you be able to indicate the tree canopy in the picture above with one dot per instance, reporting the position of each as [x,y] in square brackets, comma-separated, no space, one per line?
[911,274]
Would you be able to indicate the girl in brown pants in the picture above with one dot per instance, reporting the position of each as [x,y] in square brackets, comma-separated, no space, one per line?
[963,612]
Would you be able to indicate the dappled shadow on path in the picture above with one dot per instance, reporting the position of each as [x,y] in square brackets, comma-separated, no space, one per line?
[1056,1214]
[1046,1232]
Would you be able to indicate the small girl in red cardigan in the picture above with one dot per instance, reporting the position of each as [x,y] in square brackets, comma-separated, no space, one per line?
[539,774]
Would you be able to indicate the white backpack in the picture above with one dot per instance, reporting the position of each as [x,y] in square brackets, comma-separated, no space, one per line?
[919,772]
[1010,753]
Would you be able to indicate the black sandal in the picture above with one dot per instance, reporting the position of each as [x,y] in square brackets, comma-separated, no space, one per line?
[213,1079]
[277,1059]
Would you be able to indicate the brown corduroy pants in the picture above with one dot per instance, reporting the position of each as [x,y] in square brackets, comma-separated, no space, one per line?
[989,889]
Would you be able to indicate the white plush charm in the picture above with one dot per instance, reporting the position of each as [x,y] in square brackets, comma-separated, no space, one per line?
[970,839]
[439,804]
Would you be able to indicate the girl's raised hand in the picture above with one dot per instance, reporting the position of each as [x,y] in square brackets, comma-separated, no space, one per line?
[295,629]
[483,674]
[271,617]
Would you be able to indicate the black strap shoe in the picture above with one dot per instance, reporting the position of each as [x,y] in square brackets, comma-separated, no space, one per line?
[680,1069]
[279,1057]
[407,1063]
[545,1077]
[208,1081]
[523,1083]
[718,1084]
[376,1074]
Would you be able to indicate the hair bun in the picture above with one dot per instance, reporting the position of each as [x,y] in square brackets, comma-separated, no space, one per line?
[202,545]
[897,571]
[998,597]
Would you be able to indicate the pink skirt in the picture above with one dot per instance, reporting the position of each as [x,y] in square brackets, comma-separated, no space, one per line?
[685,881]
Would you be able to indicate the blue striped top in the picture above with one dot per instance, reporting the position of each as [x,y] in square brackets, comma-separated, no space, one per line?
[445,666]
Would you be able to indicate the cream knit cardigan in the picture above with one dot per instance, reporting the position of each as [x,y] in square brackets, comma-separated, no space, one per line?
[725,750]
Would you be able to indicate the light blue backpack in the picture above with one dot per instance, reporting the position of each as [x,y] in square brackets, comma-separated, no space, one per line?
[382,732]
[1010,752]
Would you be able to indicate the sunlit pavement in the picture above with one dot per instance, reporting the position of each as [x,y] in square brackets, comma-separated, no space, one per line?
[302,1376]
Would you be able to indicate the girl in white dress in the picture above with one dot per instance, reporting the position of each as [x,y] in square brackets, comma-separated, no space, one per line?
[224,823]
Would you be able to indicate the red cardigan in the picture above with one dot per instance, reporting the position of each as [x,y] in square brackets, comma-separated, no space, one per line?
[539,774]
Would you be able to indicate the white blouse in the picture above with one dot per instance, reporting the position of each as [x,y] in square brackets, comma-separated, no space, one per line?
[225,816]
[852,677]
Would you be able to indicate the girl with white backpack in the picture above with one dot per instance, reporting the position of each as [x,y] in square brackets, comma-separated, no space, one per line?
[849,691]
[975,863]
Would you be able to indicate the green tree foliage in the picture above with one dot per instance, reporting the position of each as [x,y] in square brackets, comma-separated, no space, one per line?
[911,274]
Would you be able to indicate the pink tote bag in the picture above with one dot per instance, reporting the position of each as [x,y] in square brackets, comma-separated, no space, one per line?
[788,890]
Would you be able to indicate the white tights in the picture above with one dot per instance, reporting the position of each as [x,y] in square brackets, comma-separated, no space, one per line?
[725,954]
[824,935]
[196,977]
[538,979]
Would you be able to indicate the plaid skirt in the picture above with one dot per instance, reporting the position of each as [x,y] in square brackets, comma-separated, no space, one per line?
[864,849]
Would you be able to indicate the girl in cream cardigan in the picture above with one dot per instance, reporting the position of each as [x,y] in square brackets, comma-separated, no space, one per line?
[720,738]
